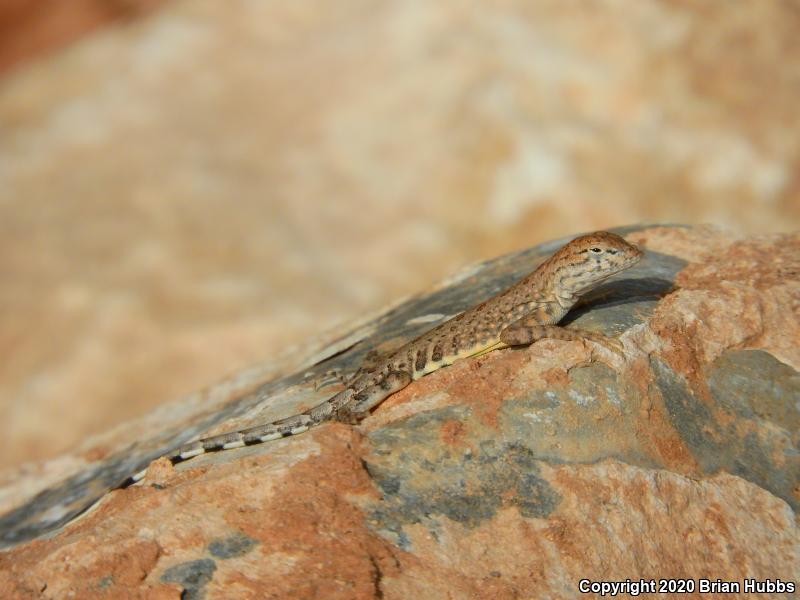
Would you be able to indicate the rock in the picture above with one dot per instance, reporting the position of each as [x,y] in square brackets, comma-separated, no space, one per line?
[515,474]
[241,175]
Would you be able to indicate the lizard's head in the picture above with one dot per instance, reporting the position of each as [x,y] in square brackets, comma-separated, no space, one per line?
[590,259]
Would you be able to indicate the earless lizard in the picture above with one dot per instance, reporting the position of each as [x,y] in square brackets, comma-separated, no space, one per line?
[525,312]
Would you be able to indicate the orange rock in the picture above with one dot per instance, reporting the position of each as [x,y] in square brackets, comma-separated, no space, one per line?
[514,475]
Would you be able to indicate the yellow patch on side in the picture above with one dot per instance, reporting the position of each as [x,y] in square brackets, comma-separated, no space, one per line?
[449,359]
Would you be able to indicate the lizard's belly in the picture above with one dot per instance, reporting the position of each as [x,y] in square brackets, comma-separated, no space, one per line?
[449,359]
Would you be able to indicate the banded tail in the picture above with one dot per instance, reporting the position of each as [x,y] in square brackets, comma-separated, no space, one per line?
[282,428]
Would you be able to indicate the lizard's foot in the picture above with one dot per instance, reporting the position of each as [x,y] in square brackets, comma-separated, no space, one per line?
[368,398]
[333,377]
[371,359]
[609,343]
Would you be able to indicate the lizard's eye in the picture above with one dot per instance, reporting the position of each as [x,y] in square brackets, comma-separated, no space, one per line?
[596,250]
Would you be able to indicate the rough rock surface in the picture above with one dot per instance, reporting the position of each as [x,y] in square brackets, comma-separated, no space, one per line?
[190,192]
[512,475]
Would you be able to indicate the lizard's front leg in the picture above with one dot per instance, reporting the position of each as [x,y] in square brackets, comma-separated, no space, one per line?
[368,398]
[528,330]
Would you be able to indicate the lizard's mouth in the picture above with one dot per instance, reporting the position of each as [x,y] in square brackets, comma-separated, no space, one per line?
[629,261]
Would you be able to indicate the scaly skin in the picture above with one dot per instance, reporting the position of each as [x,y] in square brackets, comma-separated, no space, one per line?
[522,314]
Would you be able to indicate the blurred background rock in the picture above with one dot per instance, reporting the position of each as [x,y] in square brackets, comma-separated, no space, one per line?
[187,187]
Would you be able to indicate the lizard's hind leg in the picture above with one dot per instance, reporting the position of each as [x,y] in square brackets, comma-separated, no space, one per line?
[371,359]
[371,396]
[329,378]
[522,332]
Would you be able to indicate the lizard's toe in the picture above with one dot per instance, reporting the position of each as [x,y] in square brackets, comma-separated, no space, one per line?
[609,343]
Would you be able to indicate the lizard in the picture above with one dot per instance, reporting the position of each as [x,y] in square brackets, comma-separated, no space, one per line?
[522,314]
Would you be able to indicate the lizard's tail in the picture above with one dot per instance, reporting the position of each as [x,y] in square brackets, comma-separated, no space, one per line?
[256,435]
[245,437]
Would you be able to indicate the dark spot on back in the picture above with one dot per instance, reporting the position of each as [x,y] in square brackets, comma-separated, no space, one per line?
[421,360]
[456,342]
[438,352]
